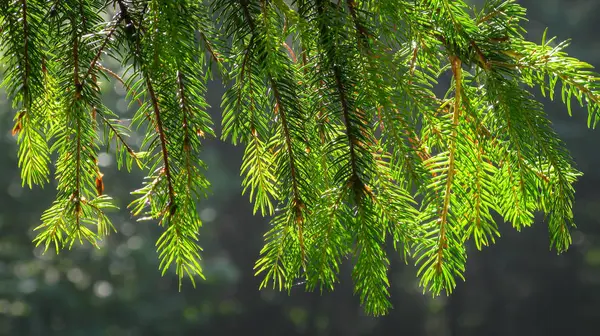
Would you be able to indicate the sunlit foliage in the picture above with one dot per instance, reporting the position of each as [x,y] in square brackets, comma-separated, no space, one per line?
[349,147]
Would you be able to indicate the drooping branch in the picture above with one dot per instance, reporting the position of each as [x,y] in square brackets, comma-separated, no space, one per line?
[451,171]
[163,142]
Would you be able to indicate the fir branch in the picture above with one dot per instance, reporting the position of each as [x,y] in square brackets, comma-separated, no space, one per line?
[352,142]
[457,72]
[22,50]
[26,59]
[346,142]
[103,45]
[296,203]
[120,138]
[163,142]
[125,85]
[361,30]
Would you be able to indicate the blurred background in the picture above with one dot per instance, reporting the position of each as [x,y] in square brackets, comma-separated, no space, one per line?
[516,287]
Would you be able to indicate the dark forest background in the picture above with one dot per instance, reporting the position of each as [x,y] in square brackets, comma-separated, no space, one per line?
[515,287]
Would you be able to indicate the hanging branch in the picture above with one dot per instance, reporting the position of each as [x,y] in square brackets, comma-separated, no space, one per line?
[346,143]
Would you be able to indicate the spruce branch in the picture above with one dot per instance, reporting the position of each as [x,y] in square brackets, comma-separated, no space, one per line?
[163,144]
[457,73]
[22,49]
[346,144]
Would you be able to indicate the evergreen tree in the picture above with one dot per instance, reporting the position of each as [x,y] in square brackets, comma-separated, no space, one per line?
[348,148]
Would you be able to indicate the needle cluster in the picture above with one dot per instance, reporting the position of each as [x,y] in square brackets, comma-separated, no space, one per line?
[349,147]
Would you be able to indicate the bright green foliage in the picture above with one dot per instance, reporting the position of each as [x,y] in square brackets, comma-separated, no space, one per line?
[347,145]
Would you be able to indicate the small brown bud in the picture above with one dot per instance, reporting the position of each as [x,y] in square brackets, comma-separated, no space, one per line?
[17,128]
[99,184]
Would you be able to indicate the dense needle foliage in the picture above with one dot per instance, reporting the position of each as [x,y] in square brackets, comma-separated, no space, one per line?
[348,148]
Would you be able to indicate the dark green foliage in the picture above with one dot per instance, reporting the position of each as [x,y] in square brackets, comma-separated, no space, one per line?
[347,145]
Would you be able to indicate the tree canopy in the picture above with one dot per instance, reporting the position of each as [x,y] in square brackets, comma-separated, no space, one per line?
[349,145]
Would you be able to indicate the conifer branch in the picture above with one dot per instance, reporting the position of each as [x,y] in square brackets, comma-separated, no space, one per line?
[22,50]
[457,73]
[352,142]
[163,143]
[127,87]
[26,60]
[346,142]
[361,30]
[102,47]
[297,202]
[119,137]
[187,150]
